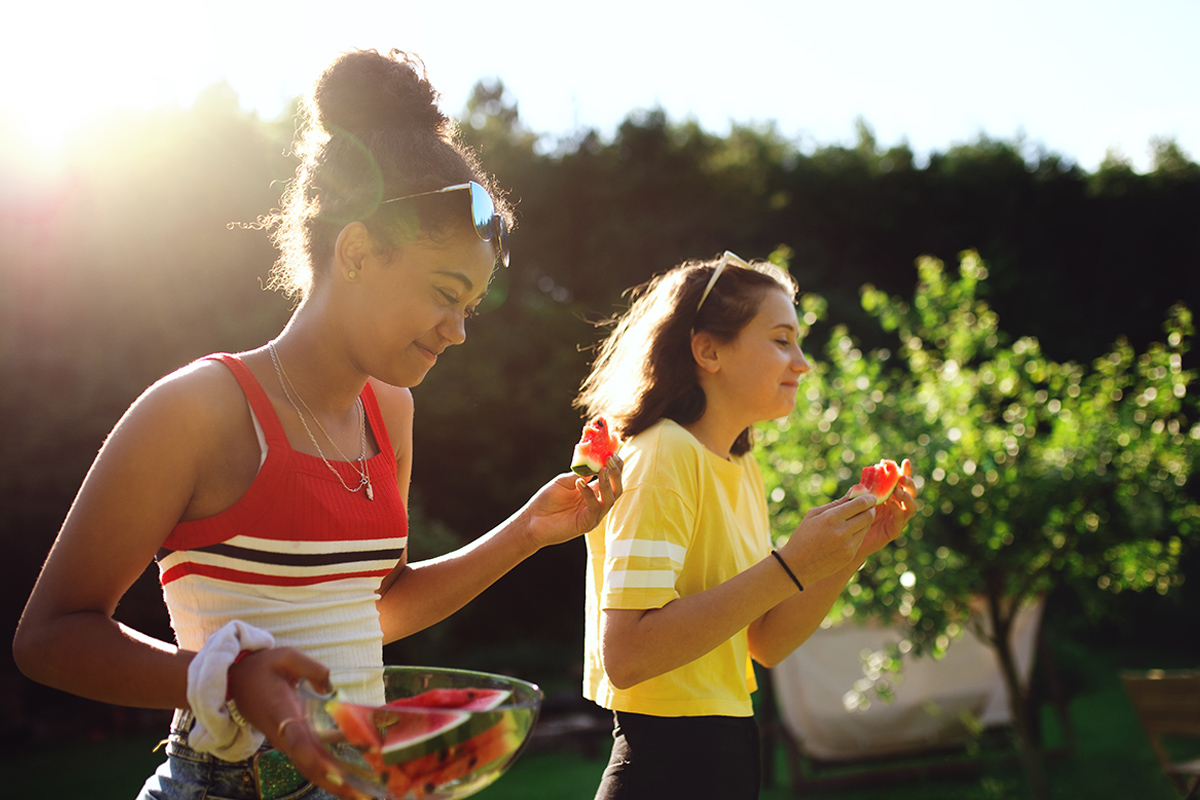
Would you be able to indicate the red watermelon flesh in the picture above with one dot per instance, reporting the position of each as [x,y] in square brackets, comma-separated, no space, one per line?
[357,724]
[879,480]
[596,446]
[393,735]
[461,699]
[426,775]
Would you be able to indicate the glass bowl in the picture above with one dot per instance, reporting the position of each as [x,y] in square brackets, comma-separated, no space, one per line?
[402,733]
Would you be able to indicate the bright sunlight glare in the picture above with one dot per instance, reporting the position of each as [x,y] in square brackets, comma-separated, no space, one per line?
[1079,77]
[129,54]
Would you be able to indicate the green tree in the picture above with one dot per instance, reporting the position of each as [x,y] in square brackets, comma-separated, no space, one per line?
[1035,475]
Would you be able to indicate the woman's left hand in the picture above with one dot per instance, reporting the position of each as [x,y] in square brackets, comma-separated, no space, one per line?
[892,516]
[569,506]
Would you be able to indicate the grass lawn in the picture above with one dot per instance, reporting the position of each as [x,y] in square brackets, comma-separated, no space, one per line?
[1112,760]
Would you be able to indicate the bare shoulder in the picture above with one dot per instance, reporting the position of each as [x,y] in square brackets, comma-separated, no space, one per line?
[196,397]
[194,427]
[392,399]
[148,476]
[396,406]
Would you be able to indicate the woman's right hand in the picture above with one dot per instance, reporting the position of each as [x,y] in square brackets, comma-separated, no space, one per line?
[828,538]
[263,685]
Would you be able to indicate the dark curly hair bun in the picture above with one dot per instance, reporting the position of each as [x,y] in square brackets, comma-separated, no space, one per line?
[363,91]
[372,131]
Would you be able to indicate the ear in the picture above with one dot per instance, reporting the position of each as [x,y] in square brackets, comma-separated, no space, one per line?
[352,250]
[706,352]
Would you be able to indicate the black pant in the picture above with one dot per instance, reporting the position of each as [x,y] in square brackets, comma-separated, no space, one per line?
[682,758]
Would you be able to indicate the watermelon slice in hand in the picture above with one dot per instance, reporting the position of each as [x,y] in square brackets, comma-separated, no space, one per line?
[879,480]
[596,446]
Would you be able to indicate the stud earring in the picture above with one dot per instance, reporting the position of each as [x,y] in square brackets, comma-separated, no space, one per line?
[351,274]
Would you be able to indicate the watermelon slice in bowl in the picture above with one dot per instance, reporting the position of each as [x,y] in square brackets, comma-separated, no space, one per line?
[878,480]
[439,734]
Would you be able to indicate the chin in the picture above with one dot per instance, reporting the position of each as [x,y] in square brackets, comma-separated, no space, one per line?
[785,410]
[413,381]
[405,378]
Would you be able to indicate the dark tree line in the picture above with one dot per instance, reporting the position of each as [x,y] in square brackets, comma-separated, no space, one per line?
[128,267]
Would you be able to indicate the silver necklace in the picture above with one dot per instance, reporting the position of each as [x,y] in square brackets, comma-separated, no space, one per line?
[285,381]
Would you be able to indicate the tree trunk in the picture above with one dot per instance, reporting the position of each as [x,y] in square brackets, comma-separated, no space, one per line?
[1027,750]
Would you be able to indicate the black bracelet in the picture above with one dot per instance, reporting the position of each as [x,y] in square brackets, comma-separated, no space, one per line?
[787,569]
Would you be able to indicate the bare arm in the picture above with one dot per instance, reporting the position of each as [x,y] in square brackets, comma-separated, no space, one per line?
[786,626]
[184,450]
[396,406]
[428,592]
[641,644]
[137,489]
[415,596]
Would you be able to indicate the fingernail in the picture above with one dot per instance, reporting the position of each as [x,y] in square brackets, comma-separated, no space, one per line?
[335,778]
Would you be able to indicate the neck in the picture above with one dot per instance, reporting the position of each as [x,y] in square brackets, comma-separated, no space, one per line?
[723,420]
[714,435]
[318,364]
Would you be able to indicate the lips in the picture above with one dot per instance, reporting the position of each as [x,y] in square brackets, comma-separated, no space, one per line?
[429,352]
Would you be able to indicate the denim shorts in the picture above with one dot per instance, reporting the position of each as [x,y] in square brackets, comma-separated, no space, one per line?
[188,775]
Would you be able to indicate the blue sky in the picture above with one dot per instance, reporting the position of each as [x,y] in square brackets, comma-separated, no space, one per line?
[1076,77]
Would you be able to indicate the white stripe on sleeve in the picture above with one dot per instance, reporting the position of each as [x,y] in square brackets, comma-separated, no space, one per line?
[640,579]
[647,548]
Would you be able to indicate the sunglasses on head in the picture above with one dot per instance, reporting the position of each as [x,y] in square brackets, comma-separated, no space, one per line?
[727,258]
[489,226]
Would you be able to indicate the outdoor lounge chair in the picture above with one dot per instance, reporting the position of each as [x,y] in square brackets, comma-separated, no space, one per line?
[1168,705]
[942,711]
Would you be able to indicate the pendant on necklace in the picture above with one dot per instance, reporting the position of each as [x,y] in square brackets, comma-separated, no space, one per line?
[370,492]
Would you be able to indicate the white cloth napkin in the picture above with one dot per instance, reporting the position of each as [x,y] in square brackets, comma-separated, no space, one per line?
[215,730]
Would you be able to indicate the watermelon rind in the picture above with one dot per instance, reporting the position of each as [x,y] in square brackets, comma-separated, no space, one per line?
[409,734]
[446,728]
[465,764]
[414,727]
[582,463]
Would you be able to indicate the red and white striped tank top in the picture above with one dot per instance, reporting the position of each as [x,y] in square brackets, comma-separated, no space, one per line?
[297,555]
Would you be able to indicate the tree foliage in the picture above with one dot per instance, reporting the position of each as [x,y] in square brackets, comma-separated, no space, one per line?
[132,263]
[1035,474]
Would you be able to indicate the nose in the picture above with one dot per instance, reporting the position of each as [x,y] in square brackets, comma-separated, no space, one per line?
[454,326]
[800,363]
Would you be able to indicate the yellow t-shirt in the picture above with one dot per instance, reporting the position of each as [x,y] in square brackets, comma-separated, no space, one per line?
[688,520]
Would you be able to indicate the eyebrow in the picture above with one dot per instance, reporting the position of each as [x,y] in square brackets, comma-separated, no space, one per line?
[468,284]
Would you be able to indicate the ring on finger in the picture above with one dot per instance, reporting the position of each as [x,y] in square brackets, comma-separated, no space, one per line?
[285,723]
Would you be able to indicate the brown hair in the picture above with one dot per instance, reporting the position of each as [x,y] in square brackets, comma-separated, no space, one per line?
[371,130]
[644,369]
